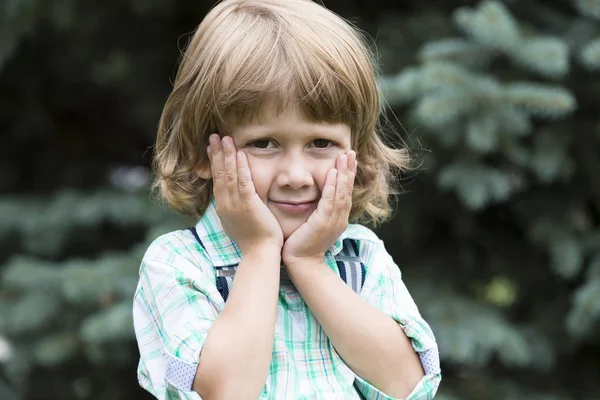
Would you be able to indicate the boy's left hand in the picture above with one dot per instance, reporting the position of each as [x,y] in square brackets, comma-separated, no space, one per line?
[311,240]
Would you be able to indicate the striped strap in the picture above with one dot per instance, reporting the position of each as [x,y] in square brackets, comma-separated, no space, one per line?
[352,270]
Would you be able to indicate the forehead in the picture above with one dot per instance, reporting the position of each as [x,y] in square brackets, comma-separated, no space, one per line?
[271,115]
[273,119]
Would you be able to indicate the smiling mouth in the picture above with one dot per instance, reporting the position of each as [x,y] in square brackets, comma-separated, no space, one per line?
[294,207]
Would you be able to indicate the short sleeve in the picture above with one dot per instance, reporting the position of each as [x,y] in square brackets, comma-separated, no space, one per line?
[174,306]
[385,290]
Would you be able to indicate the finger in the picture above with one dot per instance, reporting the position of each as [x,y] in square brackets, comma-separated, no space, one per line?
[341,190]
[352,165]
[217,164]
[231,176]
[245,183]
[342,179]
[327,201]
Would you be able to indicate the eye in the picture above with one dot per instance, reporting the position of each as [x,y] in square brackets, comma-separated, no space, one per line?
[321,143]
[261,143]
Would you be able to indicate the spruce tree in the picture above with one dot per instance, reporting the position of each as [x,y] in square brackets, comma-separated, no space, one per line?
[502,238]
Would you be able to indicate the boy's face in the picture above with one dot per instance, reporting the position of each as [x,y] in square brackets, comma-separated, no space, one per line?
[289,157]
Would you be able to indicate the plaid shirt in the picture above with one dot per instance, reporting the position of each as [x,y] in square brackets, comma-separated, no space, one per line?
[177,301]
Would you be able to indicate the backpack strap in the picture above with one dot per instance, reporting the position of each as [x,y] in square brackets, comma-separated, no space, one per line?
[352,270]
[224,274]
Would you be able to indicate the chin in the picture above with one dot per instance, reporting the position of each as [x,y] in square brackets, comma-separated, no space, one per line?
[289,228]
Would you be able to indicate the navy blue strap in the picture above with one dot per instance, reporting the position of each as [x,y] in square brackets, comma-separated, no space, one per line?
[352,270]
[195,233]
[221,281]
[222,287]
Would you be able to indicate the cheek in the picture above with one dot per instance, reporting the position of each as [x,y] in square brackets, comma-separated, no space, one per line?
[323,167]
[261,175]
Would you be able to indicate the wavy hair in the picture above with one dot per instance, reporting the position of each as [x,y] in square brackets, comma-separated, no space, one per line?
[246,53]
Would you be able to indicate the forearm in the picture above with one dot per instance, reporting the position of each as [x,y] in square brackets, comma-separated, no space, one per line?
[234,362]
[371,343]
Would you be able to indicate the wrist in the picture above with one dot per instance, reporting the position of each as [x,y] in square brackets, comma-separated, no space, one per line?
[305,264]
[307,273]
[263,249]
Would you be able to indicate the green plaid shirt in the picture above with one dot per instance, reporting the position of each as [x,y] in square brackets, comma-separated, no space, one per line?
[177,301]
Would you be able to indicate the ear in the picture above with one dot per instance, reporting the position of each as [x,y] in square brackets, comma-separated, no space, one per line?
[203,169]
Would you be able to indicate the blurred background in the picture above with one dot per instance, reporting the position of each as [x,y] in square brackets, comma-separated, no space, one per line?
[497,233]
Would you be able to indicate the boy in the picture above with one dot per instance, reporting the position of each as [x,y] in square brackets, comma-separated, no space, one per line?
[269,136]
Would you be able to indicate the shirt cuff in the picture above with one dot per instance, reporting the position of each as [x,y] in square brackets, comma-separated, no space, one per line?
[179,375]
[425,345]
[181,359]
[423,342]
[425,389]
[173,393]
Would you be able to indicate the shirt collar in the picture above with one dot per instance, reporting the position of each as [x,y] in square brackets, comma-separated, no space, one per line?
[225,252]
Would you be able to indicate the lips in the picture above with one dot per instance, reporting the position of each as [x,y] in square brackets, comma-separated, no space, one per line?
[294,203]
[295,206]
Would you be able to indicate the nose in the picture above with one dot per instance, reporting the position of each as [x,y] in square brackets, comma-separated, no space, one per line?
[294,172]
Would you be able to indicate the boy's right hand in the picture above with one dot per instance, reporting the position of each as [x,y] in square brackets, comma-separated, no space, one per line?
[245,218]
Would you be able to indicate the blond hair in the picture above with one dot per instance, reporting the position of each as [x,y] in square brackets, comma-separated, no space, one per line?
[247,52]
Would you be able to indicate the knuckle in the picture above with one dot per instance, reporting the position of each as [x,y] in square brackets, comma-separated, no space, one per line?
[230,176]
[219,173]
[343,195]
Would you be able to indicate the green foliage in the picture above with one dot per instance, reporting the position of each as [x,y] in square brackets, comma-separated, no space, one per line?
[589,54]
[17,18]
[480,111]
[589,8]
[68,210]
[59,312]
[497,111]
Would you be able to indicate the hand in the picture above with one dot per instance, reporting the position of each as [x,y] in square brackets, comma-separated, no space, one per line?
[325,225]
[244,216]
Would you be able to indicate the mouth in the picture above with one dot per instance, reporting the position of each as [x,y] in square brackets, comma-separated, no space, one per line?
[294,207]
